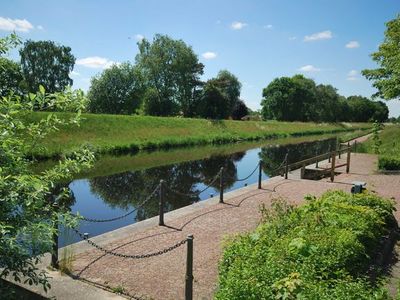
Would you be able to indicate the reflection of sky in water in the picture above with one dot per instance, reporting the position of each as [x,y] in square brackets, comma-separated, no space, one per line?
[89,202]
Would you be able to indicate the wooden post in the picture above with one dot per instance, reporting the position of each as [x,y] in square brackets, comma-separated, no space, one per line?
[189,269]
[286,166]
[302,171]
[330,154]
[54,252]
[161,204]
[221,186]
[355,146]
[339,149]
[333,166]
[259,174]
[348,158]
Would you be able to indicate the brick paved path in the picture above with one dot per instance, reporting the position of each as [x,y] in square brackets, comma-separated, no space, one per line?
[162,277]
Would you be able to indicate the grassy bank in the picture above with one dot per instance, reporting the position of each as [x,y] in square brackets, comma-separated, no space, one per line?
[119,134]
[388,150]
[326,249]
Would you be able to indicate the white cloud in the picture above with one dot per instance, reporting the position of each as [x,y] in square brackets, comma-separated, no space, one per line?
[8,24]
[309,68]
[96,62]
[209,55]
[323,35]
[352,44]
[268,26]
[352,75]
[40,27]
[139,37]
[238,25]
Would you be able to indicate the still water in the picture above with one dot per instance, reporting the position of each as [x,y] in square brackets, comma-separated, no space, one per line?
[105,197]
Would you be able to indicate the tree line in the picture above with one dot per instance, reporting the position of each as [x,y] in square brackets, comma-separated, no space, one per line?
[300,99]
[165,80]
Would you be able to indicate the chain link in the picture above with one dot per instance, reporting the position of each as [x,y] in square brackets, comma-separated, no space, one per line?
[138,256]
[125,215]
[281,165]
[196,193]
[243,179]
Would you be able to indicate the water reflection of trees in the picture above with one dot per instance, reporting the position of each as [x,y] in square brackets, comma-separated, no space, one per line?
[273,156]
[129,189]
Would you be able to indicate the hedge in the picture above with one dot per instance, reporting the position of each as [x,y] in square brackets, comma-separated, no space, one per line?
[321,250]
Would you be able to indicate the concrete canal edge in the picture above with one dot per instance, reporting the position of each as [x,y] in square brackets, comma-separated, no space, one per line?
[127,231]
[64,287]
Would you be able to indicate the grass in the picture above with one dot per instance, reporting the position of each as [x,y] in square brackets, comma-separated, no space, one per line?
[123,134]
[67,255]
[325,249]
[389,150]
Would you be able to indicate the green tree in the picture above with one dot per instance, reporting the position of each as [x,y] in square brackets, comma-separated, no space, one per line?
[27,214]
[117,90]
[362,109]
[386,78]
[213,103]
[172,71]
[230,85]
[48,64]
[328,105]
[239,110]
[10,77]
[381,112]
[289,99]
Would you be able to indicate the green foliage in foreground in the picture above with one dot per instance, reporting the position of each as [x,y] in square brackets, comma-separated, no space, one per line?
[116,134]
[321,250]
[389,148]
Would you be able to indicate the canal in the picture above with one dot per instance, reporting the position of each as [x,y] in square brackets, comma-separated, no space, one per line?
[117,185]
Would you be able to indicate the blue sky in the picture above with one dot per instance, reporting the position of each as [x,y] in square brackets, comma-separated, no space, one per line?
[329,41]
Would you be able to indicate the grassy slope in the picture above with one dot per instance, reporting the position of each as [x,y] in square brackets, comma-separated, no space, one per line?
[389,151]
[115,133]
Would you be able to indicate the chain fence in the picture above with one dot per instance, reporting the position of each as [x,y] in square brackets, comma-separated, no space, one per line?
[209,185]
[149,197]
[251,174]
[135,256]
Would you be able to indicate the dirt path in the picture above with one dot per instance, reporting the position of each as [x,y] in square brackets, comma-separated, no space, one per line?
[163,277]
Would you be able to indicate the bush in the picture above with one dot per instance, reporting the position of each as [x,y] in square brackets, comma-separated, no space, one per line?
[389,163]
[322,250]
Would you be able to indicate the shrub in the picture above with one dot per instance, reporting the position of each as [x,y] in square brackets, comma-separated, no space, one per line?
[388,163]
[322,250]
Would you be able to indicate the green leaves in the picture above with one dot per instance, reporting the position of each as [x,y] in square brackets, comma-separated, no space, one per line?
[321,250]
[26,211]
[46,64]
[171,72]
[386,78]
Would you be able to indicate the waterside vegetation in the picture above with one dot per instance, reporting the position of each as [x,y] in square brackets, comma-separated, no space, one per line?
[122,134]
[387,146]
[325,249]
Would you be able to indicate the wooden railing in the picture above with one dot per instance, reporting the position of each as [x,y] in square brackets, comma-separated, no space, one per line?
[331,156]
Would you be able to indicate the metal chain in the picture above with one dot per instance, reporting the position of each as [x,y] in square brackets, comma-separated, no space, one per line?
[198,192]
[281,165]
[137,256]
[125,215]
[243,179]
